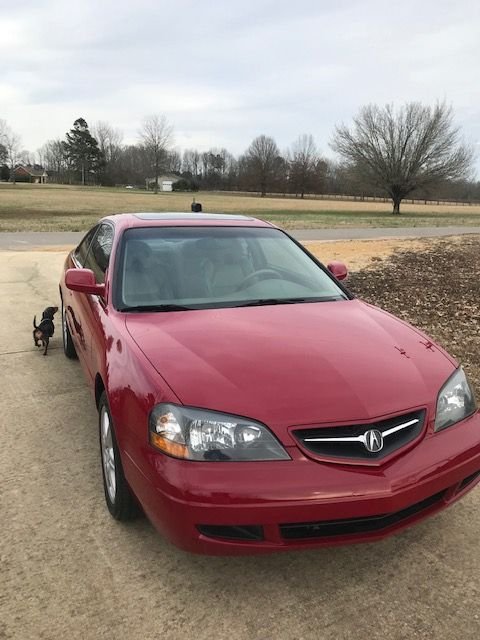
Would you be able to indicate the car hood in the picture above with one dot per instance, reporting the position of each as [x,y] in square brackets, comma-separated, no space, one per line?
[295,364]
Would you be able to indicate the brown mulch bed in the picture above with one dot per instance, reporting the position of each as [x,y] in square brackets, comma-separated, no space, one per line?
[436,289]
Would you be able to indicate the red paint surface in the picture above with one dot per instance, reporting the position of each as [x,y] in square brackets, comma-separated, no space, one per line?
[319,364]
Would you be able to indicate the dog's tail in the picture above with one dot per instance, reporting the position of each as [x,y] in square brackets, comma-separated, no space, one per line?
[35,322]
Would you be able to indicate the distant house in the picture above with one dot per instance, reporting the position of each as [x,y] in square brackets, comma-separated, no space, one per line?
[27,173]
[165,183]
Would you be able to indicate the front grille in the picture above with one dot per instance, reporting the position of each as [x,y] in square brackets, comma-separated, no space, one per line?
[232,532]
[329,447]
[370,524]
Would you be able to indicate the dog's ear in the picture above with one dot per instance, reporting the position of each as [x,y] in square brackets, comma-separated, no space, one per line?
[49,312]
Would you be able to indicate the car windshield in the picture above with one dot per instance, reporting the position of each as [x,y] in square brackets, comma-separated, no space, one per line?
[176,268]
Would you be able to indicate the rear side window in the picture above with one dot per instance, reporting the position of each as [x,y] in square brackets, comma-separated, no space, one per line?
[99,254]
[82,249]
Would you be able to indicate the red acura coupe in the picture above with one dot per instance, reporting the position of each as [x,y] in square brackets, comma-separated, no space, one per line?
[247,401]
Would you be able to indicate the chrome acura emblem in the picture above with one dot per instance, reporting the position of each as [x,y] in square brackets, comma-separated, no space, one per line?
[373,440]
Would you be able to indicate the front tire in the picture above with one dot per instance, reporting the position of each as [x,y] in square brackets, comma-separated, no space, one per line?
[68,346]
[119,498]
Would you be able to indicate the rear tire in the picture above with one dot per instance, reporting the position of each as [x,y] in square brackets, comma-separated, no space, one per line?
[68,346]
[120,501]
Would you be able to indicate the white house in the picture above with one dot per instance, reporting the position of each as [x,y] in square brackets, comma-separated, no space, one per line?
[165,182]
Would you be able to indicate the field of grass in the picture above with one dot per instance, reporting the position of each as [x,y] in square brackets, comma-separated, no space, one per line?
[62,208]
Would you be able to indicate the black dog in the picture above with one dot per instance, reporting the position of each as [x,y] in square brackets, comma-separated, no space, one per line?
[46,328]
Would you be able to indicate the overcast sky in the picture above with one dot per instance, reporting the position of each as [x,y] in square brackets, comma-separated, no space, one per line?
[224,72]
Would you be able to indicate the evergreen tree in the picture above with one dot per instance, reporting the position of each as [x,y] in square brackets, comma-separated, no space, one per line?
[82,151]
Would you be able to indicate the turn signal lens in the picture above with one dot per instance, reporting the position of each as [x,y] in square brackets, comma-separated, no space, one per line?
[167,446]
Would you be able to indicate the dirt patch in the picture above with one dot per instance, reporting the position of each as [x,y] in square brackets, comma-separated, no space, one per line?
[360,254]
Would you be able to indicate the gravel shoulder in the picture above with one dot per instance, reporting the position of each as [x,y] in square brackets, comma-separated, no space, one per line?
[67,570]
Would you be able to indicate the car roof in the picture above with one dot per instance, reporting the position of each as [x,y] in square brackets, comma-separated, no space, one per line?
[177,219]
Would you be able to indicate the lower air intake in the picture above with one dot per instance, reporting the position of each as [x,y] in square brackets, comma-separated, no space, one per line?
[232,532]
[370,524]
[470,480]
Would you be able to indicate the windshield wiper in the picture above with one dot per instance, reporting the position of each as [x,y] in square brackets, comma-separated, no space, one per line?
[267,301]
[158,307]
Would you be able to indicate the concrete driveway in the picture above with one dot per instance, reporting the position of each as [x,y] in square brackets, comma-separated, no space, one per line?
[68,571]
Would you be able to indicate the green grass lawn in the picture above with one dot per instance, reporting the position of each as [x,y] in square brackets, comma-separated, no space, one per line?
[63,208]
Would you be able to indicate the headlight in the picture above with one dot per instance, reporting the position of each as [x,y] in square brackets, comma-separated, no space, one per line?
[197,434]
[455,401]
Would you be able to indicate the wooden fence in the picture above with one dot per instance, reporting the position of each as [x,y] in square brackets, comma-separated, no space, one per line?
[349,198]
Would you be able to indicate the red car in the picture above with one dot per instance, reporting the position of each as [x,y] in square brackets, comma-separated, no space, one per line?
[247,401]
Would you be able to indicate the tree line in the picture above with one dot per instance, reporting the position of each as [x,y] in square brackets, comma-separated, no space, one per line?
[415,150]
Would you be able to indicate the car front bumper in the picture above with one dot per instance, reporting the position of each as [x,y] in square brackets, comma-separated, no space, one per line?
[248,508]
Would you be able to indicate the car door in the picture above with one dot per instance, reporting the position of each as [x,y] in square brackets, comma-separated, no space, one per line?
[74,302]
[94,311]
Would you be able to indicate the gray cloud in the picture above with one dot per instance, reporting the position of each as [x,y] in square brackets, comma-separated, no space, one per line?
[224,72]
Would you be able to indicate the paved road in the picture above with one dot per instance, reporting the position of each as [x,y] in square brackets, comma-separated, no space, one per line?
[28,240]
[68,571]
[375,233]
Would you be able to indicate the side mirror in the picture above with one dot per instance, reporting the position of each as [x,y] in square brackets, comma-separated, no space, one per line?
[83,280]
[338,269]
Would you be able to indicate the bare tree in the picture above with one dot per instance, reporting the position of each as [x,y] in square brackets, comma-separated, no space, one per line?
[205,158]
[12,143]
[263,158]
[52,157]
[191,162]
[3,128]
[3,153]
[26,158]
[110,144]
[109,140]
[405,149]
[40,156]
[3,148]
[156,135]
[4,172]
[133,165]
[174,161]
[303,163]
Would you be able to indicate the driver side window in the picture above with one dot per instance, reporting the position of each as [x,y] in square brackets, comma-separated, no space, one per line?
[99,253]
[82,250]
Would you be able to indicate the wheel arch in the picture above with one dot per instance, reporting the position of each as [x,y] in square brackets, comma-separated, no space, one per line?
[99,388]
